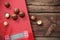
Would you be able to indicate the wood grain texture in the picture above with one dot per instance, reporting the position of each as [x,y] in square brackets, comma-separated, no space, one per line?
[43,2]
[32,8]
[48,10]
[49,19]
[46,38]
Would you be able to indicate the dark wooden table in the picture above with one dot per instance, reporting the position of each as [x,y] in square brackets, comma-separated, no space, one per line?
[49,12]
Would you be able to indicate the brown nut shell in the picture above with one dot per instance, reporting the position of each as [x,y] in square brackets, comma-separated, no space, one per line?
[33,18]
[16,11]
[22,14]
[7,5]
[14,16]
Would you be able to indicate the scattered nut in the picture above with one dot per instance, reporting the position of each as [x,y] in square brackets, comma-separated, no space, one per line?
[14,16]
[7,5]
[5,23]
[7,15]
[21,14]
[16,11]
[39,22]
[33,18]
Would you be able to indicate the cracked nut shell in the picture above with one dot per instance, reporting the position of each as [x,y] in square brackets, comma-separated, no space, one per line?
[7,15]
[39,22]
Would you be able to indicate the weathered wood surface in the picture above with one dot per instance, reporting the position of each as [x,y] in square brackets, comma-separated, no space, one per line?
[43,2]
[46,38]
[32,8]
[49,19]
[49,12]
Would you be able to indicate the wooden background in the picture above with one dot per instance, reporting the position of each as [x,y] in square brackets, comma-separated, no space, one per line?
[49,12]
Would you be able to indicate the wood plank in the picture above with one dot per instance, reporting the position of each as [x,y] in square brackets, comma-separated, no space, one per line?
[45,17]
[52,20]
[43,2]
[34,9]
[46,38]
[41,31]
[58,23]
[49,14]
